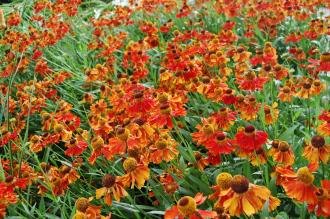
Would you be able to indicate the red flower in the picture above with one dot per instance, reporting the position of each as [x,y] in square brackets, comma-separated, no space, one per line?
[250,139]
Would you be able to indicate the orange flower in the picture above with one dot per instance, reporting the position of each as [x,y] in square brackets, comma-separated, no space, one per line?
[112,187]
[187,208]
[322,207]
[250,139]
[164,148]
[136,174]
[201,161]
[286,94]
[169,183]
[299,185]
[223,181]
[305,90]
[205,131]
[86,210]
[271,113]
[282,152]
[244,197]
[317,150]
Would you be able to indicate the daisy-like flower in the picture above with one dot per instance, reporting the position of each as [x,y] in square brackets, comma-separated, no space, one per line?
[223,181]
[244,197]
[187,208]
[299,186]
[87,211]
[286,93]
[271,113]
[317,149]
[317,87]
[251,82]
[219,144]
[112,187]
[281,152]
[205,131]
[322,207]
[305,91]
[163,149]
[250,139]
[225,118]
[136,174]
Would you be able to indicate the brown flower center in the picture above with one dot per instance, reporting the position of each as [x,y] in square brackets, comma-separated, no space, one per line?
[307,86]
[221,137]
[240,184]
[108,180]
[161,145]
[82,204]
[249,130]
[286,89]
[275,143]
[318,141]
[283,146]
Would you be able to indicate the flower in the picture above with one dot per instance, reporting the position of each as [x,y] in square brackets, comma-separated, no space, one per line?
[317,150]
[219,144]
[282,152]
[299,185]
[322,207]
[187,208]
[244,197]
[164,148]
[136,174]
[112,187]
[250,139]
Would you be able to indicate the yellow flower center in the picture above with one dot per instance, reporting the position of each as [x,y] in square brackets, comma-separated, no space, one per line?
[82,204]
[240,184]
[208,129]
[187,205]
[58,128]
[224,180]
[305,175]
[130,164]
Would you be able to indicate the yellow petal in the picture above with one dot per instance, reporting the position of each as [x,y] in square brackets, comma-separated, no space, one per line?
[247,207]
[100,192]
